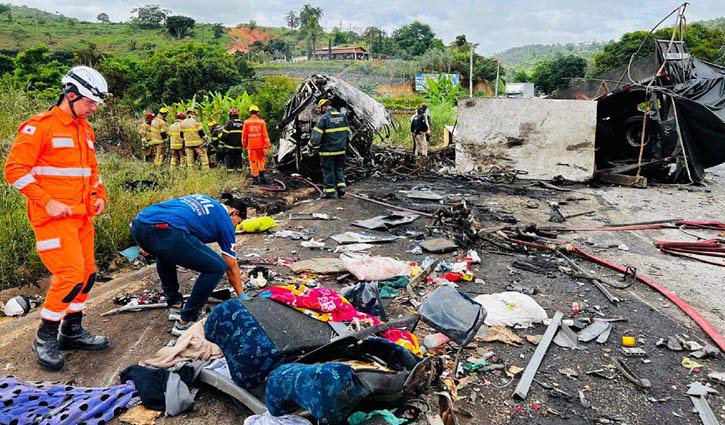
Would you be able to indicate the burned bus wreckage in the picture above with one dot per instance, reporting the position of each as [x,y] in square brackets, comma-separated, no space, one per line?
[368,119]
[684,129]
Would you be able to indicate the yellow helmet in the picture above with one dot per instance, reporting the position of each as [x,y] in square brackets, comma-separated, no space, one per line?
[253,108]
[322,102]
[163,110]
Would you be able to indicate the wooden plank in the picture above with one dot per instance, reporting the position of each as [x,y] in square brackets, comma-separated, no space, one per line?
[624,180]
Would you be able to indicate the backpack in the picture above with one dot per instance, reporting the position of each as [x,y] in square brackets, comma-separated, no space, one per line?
[420,123]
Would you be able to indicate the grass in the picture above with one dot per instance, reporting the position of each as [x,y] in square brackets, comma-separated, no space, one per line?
[442,115]
[31,27]
[19,263]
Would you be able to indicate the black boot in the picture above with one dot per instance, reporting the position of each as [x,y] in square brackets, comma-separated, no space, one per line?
[74,337]
[255,181]
[46,346]
[262,178]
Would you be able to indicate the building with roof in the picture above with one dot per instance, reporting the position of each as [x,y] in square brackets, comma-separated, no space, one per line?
[342,53]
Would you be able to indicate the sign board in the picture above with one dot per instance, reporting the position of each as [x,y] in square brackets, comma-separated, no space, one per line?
[420,80]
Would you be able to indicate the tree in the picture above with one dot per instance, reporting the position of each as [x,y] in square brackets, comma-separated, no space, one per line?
[292,20]
[218,30]
[416,38]
[437,60]
[103,17]
[35,70]
[179,25]
[310,24]
[150,16]
[7,64]
[556,74]
[5,8]
[339,37]
[521,76]
[183,70]
[461,41]
[89,56]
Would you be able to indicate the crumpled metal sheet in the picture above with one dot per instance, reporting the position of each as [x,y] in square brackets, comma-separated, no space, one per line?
[367,117]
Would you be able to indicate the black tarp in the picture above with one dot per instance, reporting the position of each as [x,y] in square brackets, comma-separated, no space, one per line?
[688,107]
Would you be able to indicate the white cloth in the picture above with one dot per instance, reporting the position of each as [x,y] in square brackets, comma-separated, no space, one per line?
[511,309]
[268,419]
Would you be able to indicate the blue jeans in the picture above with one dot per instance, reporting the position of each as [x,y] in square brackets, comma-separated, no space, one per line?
[174,247]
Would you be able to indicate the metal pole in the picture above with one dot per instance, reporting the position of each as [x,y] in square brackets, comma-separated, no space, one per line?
[470,75]
[498,65]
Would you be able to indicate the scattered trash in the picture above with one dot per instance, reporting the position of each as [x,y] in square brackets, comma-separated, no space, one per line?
[386,222]
[555,214]
[290,234]
[569,373]
[674,344]
[355,247]
[319,266]
[312,216]
[17,306]
[365,297]
[374,268]
[501,334]
[258,277]
[566,338]
[706,351]
[132,254]
[630,375]
[354,237]
[528,290]
[690,364]
[438,245]
[313,244]
[522,389]
[511,309]
[634,352]
[698,393]
[628,341]
[595,330]
[426,195]
[718,377]
[140,415]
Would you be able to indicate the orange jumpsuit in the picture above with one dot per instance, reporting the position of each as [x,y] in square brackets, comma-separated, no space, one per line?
[256,140]
[54,157]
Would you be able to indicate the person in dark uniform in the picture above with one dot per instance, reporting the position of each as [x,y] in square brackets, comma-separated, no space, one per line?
[232,140]
[329,137]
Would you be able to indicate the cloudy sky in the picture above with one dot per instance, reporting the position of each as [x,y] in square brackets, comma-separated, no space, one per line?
[495,24]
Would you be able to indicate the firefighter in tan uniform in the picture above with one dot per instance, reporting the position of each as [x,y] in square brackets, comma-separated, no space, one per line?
[159,134]
[194,142]
[145,135]
[53,164]
[176,142]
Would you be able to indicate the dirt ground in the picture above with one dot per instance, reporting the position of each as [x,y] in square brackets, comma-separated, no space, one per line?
[554,398]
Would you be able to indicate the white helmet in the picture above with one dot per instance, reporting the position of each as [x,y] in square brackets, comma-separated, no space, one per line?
[89,83]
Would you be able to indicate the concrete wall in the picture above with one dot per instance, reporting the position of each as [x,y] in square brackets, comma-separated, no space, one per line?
[544,137]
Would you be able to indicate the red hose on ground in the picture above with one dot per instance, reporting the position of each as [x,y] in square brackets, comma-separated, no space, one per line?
[706,326]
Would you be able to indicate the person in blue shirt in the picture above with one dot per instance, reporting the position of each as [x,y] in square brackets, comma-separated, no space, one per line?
[176,232]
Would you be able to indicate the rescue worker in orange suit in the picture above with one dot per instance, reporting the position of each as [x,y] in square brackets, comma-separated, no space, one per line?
[176,142]
[256,141]
[232,140]
[159,135]
[53,164]
[145,135]
[194,141]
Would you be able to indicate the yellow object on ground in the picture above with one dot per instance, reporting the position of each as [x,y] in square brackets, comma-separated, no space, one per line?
[628,341]
[256,224]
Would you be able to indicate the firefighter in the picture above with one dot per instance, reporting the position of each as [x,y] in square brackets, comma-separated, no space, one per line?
[53,164]
[195,145]
[159,135]
[256,141]
[215,134]
[145,135]
[176,142]
[329,137]
[232,140]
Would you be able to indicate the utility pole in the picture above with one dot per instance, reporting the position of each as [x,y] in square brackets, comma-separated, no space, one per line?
[470,75]
[498,65]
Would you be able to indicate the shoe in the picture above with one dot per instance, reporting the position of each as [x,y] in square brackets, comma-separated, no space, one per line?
[48,352]
[330,195]
[255,181]
[179,329]
[263,178]
[340,193]
[83,340]
[174,313]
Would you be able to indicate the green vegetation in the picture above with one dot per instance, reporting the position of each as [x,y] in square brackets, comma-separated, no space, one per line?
[555,74]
